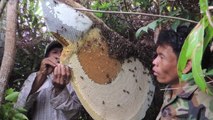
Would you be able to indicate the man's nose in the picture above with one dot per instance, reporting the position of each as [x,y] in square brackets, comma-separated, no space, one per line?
[59,54]
[154,62]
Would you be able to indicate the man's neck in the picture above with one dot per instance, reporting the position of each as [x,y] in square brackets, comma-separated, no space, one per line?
[177,88]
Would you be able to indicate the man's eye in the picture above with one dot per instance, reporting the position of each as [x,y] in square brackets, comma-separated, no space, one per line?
[161,56]
[155,55]
[54,52]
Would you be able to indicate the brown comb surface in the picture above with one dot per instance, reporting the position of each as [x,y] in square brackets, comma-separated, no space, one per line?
[96,62]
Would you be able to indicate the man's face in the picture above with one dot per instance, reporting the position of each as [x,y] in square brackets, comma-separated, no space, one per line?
[55,52]
[165,65]
[54,56]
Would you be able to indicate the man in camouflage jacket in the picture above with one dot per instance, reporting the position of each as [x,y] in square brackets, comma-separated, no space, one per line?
[182,101]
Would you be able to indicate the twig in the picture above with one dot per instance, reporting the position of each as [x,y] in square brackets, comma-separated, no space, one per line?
[2,6]
[135,13]
[209,78]
[163,89]
[208,14]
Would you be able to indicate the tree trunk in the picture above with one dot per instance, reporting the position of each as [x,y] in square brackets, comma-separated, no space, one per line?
[9,52]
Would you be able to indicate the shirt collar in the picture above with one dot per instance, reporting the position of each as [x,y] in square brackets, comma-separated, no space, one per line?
[186,91]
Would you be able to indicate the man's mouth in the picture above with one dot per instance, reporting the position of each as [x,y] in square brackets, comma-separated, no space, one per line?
[154,72]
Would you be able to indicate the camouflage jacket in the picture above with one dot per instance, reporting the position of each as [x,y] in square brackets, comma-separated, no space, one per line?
[190,104]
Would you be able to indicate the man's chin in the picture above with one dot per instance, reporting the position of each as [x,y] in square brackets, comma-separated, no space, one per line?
[161,81]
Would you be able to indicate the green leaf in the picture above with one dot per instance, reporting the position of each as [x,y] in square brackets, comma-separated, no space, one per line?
[142,29]
[32,4]
[9,91]
[21,110]
[192,40]
[163,5]
[182,60]
[210,72]
[197,57]
[193,49]
[203,5]
[105,5]
[196,67]
[24,2]
[209,35]
[175,13]
[151,25]
[175,24]
[189,76]
[37,5]
[95,5]
[195,38]
[12,97]
[100,15]
[19,116]
[186,77]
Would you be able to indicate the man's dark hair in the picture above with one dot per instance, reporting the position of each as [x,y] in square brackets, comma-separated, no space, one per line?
[52,45]
[174,39]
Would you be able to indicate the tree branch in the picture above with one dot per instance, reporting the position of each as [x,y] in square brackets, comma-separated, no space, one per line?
[9,49]
[210,7]
[135,13]
[208,14]
[2,6]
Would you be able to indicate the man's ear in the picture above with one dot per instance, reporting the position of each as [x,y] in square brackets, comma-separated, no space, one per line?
[188,67]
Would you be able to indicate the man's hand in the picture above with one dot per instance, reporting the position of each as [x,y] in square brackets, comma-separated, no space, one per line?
[62,75]
[47,66]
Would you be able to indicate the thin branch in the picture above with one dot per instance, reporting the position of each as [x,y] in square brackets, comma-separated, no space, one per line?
[209,78]
[208,14]
[2,6]
[135,13]
[210,7]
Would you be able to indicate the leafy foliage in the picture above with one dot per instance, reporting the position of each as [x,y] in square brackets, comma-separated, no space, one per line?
[151,26]
[194,48]
[126,25]
[175,9]
[7,111]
